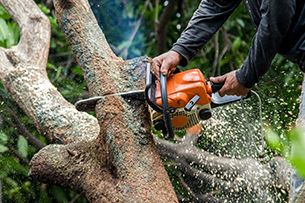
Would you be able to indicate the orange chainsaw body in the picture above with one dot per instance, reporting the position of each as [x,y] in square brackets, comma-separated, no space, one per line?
[183,86]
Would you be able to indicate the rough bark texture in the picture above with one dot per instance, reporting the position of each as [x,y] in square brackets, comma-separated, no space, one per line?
[118,163]
[23,72]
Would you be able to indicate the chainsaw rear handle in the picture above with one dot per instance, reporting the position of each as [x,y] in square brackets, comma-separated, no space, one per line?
[216,86]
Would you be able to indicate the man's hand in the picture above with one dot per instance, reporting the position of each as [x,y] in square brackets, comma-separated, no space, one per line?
[166,63]
[231,85]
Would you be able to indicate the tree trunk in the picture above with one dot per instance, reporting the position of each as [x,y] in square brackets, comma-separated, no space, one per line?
[111,159]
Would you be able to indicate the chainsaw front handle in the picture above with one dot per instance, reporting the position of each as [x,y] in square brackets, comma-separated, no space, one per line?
[150,95]
[165,108]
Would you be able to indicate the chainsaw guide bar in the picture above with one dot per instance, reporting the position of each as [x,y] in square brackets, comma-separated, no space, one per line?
[90,103]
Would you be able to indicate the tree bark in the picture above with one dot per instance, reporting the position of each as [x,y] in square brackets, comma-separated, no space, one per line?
[118,163]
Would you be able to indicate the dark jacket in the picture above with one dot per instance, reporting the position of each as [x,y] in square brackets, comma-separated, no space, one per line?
[280,26]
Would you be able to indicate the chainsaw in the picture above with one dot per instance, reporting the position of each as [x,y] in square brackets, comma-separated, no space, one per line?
[177,102]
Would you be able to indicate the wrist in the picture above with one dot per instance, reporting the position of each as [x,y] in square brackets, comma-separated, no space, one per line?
[176,55]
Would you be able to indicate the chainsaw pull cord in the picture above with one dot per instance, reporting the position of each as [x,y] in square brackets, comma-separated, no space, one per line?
[261,152]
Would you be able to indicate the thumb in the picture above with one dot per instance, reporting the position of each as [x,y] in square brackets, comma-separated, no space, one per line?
[219,79]
[164,69]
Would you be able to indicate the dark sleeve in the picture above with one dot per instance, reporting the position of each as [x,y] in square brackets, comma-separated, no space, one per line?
[207,19]
[276,18]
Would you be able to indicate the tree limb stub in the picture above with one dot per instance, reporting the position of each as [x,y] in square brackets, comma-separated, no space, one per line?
[78,166]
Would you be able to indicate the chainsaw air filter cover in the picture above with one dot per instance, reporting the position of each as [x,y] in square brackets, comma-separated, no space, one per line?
[183,86]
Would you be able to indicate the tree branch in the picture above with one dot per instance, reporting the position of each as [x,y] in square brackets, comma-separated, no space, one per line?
[24,131]
[232,176]
[79,166]
[16,153]
[23,73]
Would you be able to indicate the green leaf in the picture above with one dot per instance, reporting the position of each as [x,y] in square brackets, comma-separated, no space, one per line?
[58,72]
[236,43]
[299,164]
[124,44]
[3,148]
[240,22]
[50,65]
[44,9]
[225,60]
[3,30]
[11,164]
[3,138]
[77,71]
[52,21]
[4,14]
[23,146]
[13,36]
[273,140]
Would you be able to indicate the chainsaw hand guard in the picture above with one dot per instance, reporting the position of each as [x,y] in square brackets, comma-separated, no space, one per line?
[166,110]
[150,92]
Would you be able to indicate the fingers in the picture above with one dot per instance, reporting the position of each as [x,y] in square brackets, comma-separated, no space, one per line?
[167,69]
[163,67]
[157,66]
[231,85]
[220,79]
[166,63]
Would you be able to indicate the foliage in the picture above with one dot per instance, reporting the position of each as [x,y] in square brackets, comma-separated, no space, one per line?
[291,146]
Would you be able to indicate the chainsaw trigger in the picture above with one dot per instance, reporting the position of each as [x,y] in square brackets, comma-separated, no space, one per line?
[191,103]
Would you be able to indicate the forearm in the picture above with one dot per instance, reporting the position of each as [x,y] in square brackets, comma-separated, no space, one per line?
[276,19]
[205,22]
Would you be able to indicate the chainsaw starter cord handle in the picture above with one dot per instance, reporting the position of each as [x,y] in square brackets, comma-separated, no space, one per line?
[166,110]
[216,86]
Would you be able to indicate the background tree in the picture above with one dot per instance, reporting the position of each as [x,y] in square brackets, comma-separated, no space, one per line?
[212,178]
